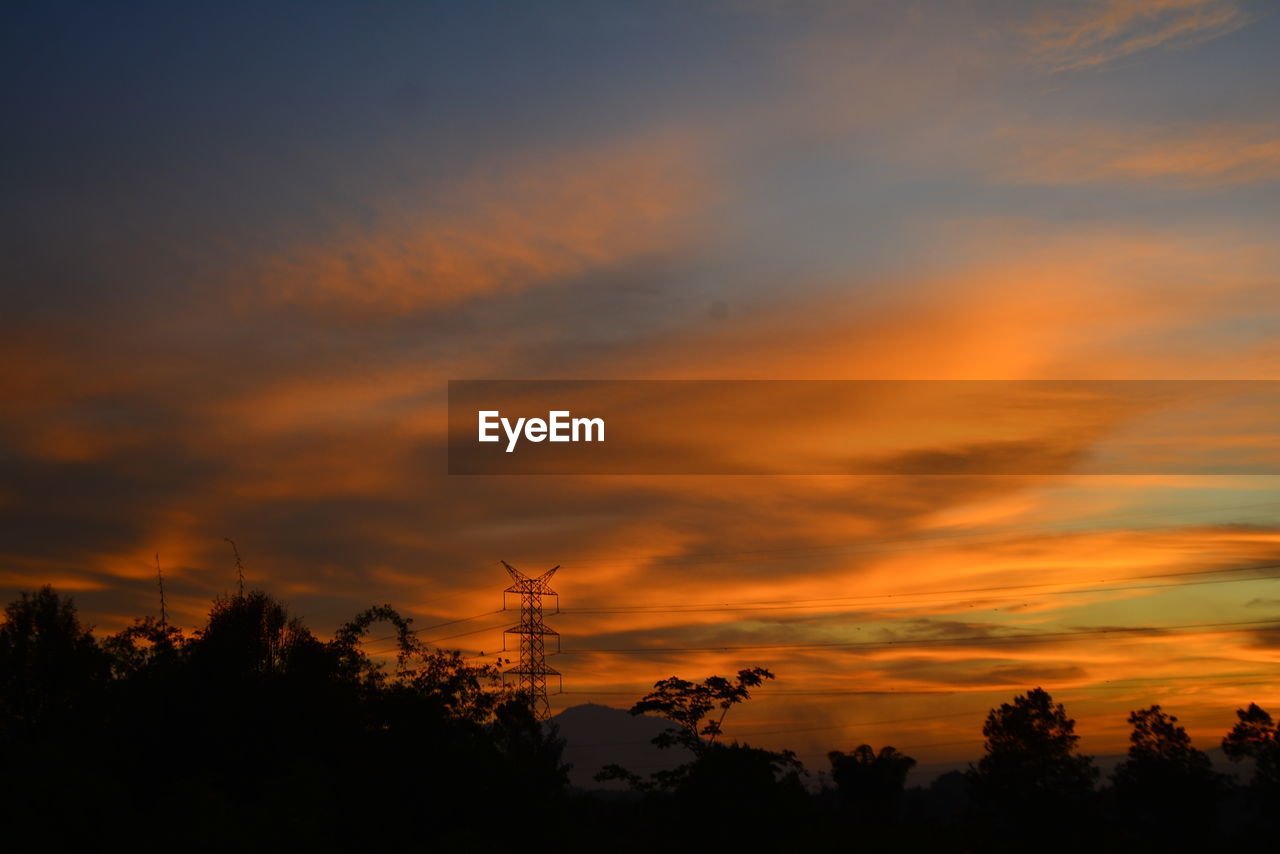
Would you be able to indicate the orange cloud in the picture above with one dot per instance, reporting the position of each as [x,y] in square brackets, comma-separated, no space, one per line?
[533,220]
[1010,298]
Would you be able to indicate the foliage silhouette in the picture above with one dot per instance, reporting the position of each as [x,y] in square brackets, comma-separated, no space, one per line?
[51,668]
[870,783]
[1256,737]
[441,677]
[252,733]
[1166,789]
[532,749]
[288,740]
[253,634]
[735,783]
[143,647]
[1031,775]
[691,704]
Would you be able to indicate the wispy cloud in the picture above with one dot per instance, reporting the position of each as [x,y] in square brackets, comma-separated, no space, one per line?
[1093,34]
[532,220]
[1185,155]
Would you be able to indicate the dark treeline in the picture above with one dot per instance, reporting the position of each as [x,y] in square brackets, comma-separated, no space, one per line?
[251,733]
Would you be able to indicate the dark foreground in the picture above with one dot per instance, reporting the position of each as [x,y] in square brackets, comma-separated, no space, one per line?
[252,734]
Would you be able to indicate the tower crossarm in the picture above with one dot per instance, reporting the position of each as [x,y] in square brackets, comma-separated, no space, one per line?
[531,672]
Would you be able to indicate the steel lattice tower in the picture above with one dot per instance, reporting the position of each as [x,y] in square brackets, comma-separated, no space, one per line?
[532,671]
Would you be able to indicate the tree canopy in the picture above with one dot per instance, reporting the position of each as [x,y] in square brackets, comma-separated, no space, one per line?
[1255,736]
[691,704]
[1031,771]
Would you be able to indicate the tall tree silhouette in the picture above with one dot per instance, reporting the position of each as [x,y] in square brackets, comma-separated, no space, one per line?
[1031,775]
[52,671]
[692,706]
[54,733]
[1255,736]
[1166,789]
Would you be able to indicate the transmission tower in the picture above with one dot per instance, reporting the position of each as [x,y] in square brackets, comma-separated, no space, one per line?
[531,673]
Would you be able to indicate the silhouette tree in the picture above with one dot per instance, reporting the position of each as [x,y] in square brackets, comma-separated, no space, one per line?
[254,634]
[1031,775]
[1166,789]
[464,691]
[242,734]
[146,645]
[734,794]
[1256,737]
[441,677]
[948,800]
[533,752]
[353,663]
[722,795]
[690,705]
[54,732]
[870,783]
[52,671]
[1156,737]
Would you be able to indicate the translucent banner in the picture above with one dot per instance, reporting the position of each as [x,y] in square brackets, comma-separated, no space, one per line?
[864,427]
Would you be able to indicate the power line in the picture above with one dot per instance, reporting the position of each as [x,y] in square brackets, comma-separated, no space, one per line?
[455,622]
[1106,684]
[904,542]
[435,626]
[787,604]
[1206,628]
[1027,638]
[799,604]
[916,542]
[445,638]
[773,693]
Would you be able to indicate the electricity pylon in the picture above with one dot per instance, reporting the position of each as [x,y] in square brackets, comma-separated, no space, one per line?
[532,671]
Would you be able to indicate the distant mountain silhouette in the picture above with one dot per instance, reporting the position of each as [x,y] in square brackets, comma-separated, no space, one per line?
[596,735]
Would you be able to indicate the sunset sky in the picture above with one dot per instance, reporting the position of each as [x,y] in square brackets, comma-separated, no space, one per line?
[245,248]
